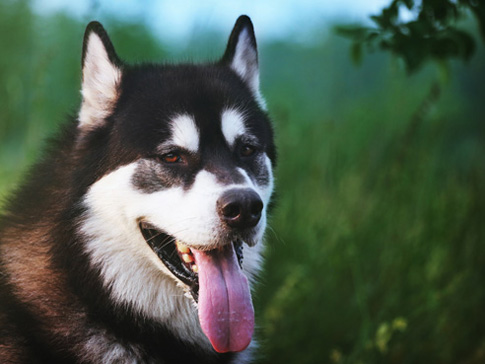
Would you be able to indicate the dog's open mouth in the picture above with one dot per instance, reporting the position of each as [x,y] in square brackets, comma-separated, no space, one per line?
[216,282]
[178,257]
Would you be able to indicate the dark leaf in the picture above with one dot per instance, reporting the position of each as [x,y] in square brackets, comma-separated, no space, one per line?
[464,42]
[380,20]
[420,28]
[429,37]
[371,36]
[353,32]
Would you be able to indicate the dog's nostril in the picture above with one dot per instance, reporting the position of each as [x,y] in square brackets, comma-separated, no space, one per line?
[231,210]
[240,208]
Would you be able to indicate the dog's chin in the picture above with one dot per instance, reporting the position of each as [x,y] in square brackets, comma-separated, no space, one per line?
[178,257]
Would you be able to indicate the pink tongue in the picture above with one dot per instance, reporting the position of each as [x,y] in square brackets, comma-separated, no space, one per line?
[226,312]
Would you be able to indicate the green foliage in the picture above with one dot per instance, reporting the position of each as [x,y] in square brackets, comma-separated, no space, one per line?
[375,251]
[432,34]
[375,248]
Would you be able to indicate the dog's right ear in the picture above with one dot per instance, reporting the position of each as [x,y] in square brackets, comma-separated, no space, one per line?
[101,77]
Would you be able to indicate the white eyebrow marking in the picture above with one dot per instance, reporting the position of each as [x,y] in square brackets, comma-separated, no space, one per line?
[185,133]
[232,123]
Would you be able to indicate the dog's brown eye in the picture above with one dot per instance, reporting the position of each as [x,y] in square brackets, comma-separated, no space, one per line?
[247,150]
[172,158]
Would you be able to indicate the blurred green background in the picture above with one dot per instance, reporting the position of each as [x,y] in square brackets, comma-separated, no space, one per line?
[376,247]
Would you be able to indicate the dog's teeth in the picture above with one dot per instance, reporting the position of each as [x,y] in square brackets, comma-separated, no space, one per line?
[195,268]
[187,258]
[184,249]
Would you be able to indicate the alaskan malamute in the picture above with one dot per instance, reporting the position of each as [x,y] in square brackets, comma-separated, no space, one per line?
[137,236]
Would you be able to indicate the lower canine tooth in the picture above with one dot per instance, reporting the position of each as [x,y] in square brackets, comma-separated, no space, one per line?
[195,268]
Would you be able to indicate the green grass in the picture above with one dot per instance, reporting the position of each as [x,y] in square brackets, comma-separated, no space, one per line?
[376,247]
[369,234]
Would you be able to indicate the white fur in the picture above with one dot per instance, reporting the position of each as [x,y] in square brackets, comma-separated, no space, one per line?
[232,123]
[185,133]
[100,84]
[129,268]
[245,64]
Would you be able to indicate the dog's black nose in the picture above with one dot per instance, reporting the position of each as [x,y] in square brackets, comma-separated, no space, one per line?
[240,208]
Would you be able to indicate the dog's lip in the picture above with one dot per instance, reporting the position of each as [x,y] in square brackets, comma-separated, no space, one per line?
[174,256]
[164,246]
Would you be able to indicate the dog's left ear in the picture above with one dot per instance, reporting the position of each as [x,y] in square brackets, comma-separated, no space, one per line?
[241,55]
[101,77]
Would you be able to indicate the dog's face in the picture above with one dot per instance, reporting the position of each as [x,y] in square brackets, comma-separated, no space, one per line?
[179,199]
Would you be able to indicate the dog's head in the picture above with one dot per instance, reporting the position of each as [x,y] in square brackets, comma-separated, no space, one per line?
[181,159]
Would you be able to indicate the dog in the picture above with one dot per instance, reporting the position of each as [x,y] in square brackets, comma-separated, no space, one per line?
[138,235]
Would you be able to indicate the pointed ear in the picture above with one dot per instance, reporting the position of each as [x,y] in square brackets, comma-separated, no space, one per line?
[101,77]
[241,55]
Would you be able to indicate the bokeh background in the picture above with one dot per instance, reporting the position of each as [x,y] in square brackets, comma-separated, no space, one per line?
[376,245]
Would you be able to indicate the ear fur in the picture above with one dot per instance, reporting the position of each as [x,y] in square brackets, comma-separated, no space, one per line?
[241,55]
[101,76]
